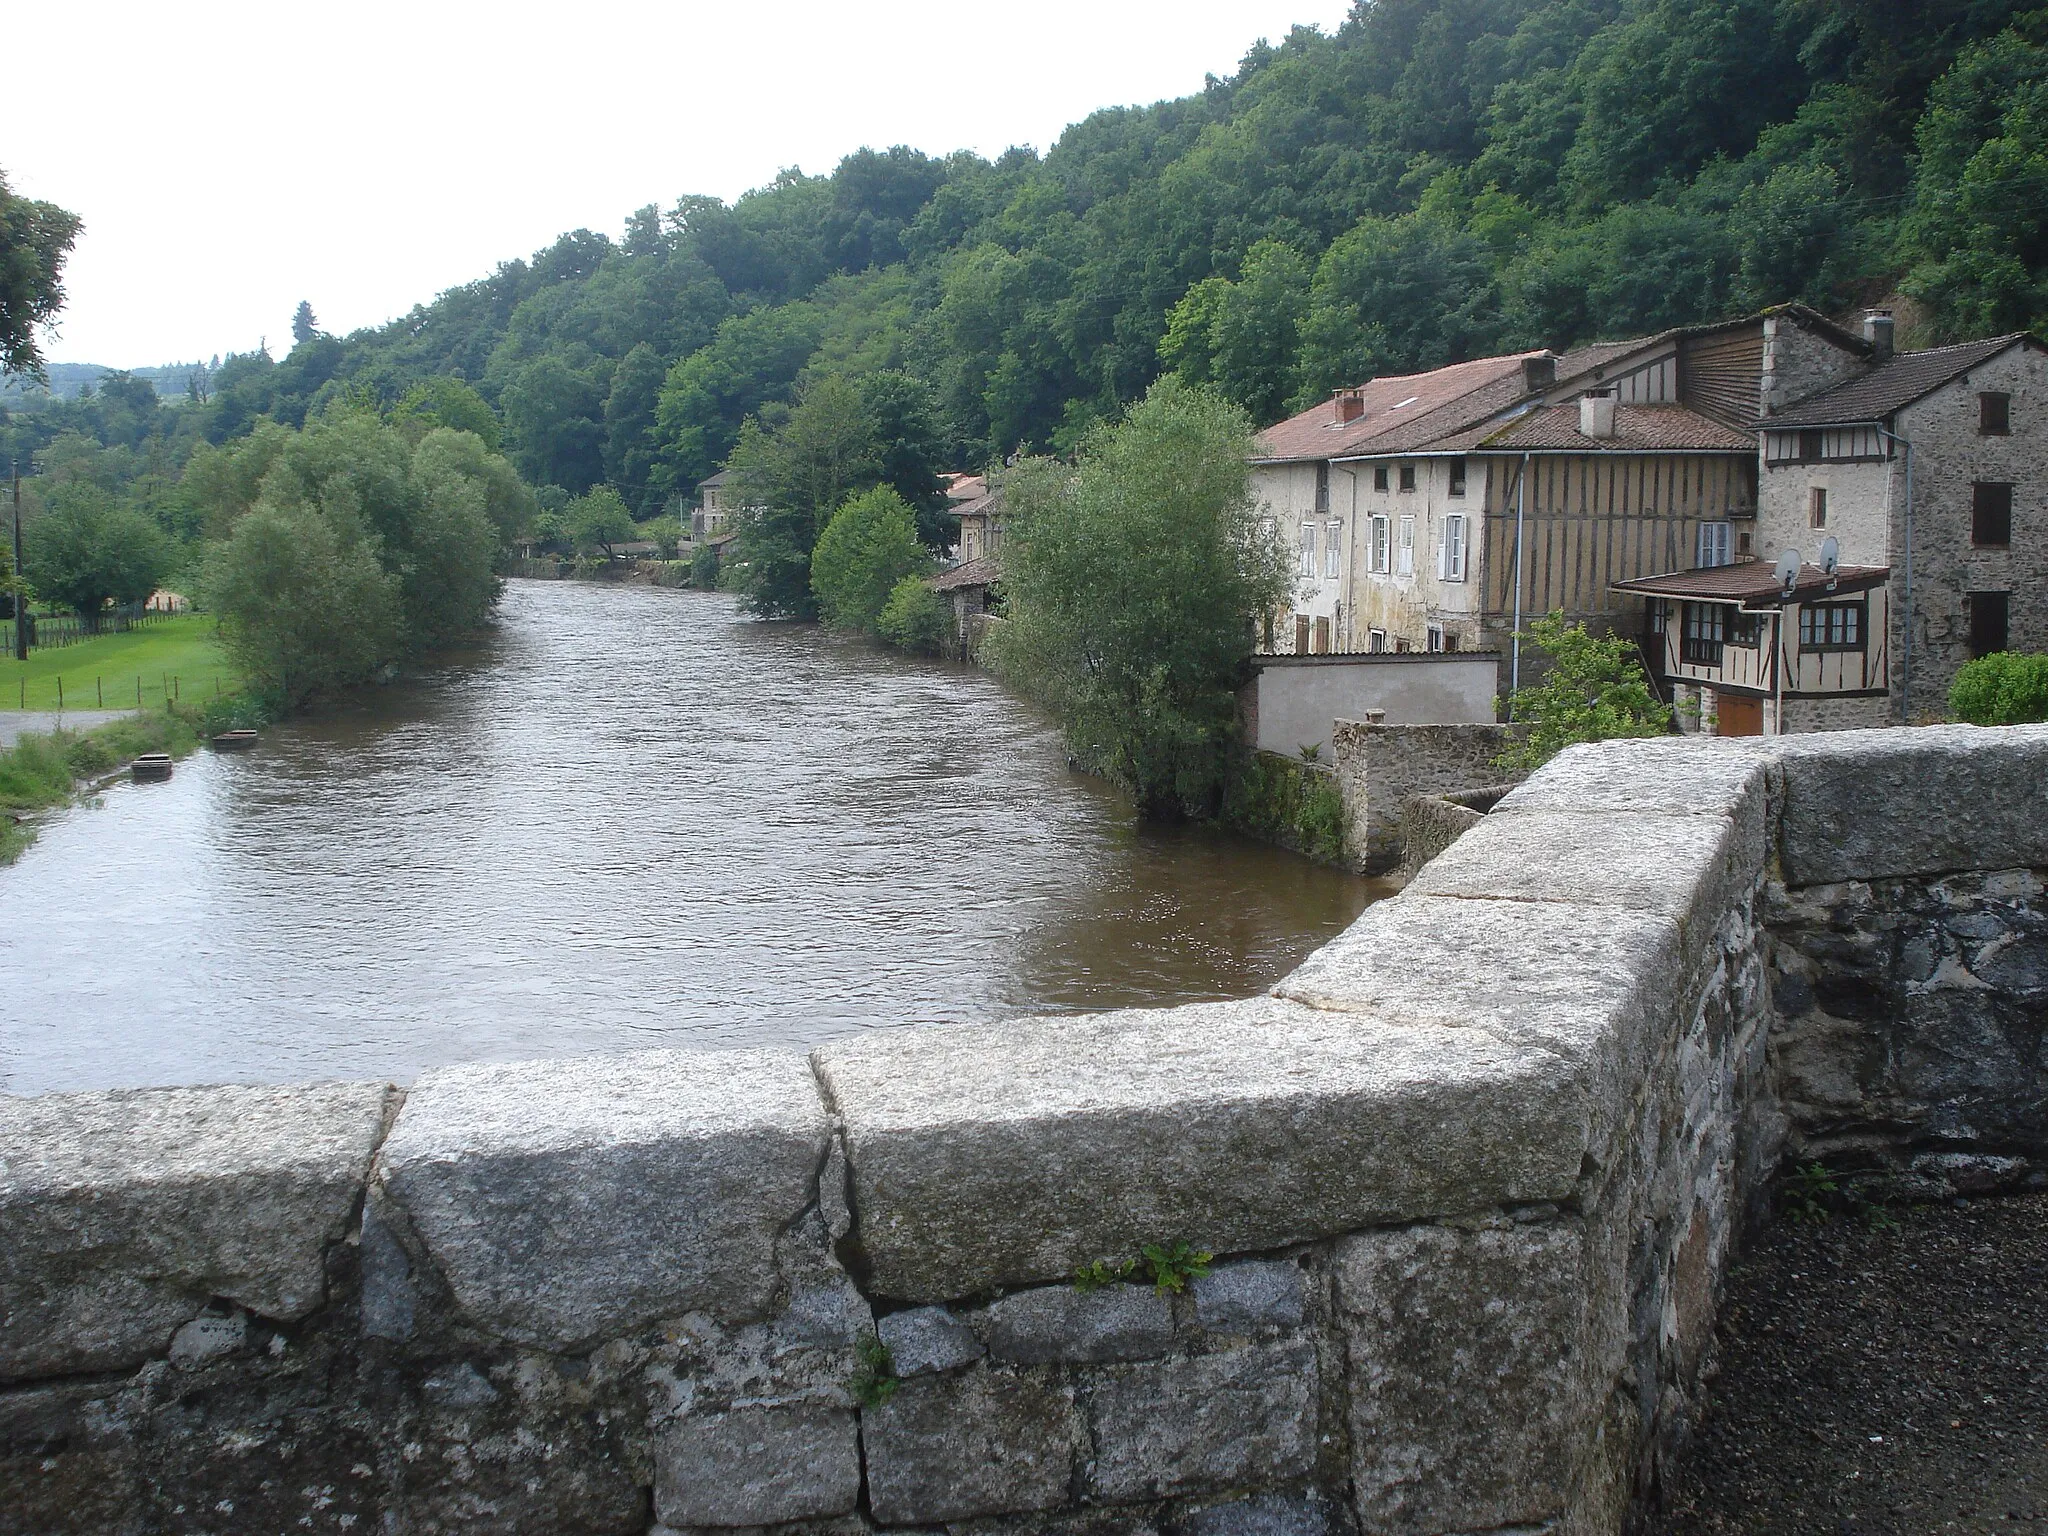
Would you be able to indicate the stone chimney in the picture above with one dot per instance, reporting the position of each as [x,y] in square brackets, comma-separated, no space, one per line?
[1596,414]
[1350,405]
[1877,330]
[1538,373]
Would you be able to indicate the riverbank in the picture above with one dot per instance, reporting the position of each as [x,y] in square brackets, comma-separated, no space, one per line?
[41,771]
[176,660]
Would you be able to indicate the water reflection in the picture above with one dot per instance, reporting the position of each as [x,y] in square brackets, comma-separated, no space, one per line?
[633,819]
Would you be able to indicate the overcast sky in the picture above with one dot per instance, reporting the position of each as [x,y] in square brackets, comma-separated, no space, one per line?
[230,159]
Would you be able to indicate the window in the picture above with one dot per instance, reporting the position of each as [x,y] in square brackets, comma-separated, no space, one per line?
[1994,414]
[1435,642]
[1379,477]
[1704,630]
[1457,477]
[1333,545]
[1450,639]
[1381,552]
[1301,634]
[1988,623]
[1716,545]
[1745,629]
[1308,549]
[1404,556]
[1812,445]
[1376,641]
[1451,555]
[1831,627]
[1407,477]
[1323,486]
[1322,637]
[1817,507]
[1991,514]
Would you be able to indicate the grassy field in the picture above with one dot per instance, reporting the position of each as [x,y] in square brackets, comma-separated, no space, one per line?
[46,769]
[177,657]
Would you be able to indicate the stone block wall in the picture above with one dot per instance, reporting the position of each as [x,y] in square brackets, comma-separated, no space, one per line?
[1469,1176]
[1380,766]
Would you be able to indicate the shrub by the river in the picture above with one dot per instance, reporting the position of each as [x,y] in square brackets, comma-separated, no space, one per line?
[869,546]
[2005,688]
[916,619]
[1287,803]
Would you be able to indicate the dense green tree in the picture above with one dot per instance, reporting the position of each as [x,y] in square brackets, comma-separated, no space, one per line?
[305,324]
[35,240]
[1593,688]
[87,550]
[304,603]
[554,412]
[631,449]
[1132,582]
[447,402]
[790,481]
[754,359]
[869,546]
[2004,688]
[598,520]
[1397,295]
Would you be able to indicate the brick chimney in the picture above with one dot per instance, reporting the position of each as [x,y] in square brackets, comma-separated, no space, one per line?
[1350,405]
[1596,414]
[1877,330]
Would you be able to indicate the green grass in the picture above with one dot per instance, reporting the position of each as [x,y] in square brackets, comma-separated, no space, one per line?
[45,769]
[176,656]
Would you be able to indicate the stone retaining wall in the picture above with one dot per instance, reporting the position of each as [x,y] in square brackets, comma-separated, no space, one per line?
[1380,766]
[1470,1175]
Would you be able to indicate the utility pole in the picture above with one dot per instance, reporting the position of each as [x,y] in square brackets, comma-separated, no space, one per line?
[20,592]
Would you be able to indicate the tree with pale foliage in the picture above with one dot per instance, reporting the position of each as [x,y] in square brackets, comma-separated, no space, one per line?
[868,547]
[1132,580]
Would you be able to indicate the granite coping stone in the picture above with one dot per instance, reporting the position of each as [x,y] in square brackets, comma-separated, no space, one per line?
[572,1200]
[1912,800]
[989,1156]
[122,1214]
[1591,985]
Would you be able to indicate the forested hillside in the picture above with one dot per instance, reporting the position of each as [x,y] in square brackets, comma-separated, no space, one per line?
[1438,179]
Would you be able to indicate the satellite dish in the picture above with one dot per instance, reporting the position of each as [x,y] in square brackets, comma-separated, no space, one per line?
[1830,557]
[1788,570]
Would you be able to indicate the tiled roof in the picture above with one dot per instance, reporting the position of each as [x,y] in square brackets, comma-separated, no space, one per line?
[1893,385]
[966,487]
[717,479]
[1752,581]
[1392,407]
[1637,428]
[969,573]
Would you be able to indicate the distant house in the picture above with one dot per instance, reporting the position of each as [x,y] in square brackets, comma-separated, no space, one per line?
[1909,496]
[970,589]
[979,510]
[1437,511]
[714,508]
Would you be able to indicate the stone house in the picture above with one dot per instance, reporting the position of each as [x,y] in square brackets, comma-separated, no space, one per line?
[1439,511]
[1907,491]
[716,502]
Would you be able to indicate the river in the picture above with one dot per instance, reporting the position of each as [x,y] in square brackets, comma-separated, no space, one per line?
[633,818]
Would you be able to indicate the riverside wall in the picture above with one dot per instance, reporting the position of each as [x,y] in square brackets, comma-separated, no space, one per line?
[1470,1175]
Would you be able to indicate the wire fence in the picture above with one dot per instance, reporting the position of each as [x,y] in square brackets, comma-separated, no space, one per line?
[129,690]
[54,631]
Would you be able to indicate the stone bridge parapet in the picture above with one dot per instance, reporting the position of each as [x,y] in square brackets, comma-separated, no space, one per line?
[1469,1178]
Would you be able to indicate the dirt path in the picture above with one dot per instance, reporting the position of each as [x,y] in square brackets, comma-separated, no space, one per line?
[16,723]
[1880,1381]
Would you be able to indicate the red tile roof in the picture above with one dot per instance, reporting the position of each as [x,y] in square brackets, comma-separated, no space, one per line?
[1393,404]
[1637,428]
[1749,581]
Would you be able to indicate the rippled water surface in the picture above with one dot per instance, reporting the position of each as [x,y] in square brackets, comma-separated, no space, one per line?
[634,819]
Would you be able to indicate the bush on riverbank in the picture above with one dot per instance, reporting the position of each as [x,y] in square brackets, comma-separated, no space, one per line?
[1289,804]
[44,769]
[916,619]
[2004,688]
[869,546]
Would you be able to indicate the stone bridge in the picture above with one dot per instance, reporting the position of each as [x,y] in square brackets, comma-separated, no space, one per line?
[1470,1177]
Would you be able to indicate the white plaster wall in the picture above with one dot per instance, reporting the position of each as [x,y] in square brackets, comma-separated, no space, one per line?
[1299,703]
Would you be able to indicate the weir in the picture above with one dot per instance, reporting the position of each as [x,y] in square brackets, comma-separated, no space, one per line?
[1470,1175]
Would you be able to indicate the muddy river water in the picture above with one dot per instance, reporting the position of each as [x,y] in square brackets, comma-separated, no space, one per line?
[634,818]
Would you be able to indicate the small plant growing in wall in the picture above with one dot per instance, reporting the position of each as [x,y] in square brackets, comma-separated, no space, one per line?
[1311,750]
[1103,1272]
[874,1379]
[1170,1268]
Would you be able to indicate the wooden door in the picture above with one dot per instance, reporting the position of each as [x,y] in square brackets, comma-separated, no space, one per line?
[1736,715]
